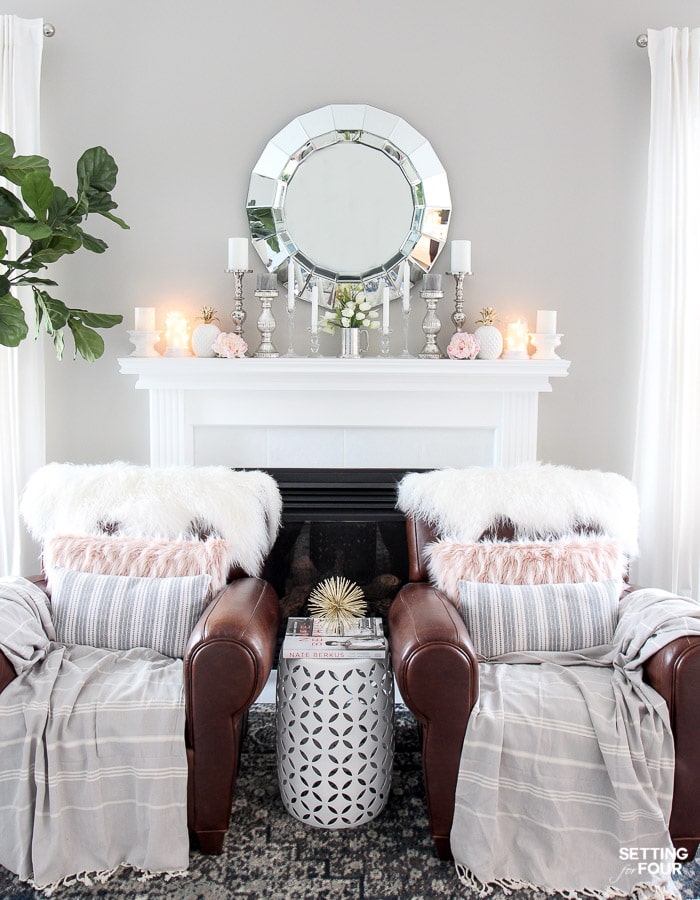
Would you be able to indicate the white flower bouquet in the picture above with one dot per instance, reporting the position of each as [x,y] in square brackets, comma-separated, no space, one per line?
[351,310]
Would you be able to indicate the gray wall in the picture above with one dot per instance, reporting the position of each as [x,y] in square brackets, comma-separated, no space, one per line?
[538,111]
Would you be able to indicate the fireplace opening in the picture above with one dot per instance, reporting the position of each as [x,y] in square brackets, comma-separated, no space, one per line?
[338,522]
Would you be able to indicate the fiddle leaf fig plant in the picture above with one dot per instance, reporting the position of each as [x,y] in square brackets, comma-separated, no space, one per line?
[52,222]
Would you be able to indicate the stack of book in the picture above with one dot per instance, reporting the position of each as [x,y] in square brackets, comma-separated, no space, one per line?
[309,639]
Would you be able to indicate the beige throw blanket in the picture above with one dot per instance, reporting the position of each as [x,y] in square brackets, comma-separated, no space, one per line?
[93,770]
[566,776]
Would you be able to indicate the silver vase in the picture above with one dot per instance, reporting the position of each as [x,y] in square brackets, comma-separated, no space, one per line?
[350,342]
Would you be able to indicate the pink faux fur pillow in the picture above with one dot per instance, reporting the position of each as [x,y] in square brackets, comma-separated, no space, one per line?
[139,557]
[568,561]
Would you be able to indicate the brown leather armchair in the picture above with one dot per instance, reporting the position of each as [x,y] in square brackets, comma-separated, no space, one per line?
[437,673]
[227,662]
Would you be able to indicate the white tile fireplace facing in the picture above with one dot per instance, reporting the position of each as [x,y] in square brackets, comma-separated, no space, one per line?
[342,413]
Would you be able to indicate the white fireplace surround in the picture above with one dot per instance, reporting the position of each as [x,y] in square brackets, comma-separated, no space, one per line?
[338,413]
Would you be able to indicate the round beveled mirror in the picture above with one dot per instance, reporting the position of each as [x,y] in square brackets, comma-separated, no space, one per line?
[347,193]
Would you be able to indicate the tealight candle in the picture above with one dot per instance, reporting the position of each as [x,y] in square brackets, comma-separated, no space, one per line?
[546,321]
[238,254]
[145,318]
[432,283]
[461,256]
[267,282]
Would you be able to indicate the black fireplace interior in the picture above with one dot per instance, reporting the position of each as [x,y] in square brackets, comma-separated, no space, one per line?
[338,522]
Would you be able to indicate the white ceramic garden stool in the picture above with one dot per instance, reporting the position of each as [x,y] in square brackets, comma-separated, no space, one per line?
[335,739]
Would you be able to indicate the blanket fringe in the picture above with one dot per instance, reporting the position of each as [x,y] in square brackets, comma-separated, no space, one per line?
[89,879]
[642,891]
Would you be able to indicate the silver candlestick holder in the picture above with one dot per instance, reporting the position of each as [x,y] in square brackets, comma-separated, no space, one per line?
[290,352]
[431,326]
[384,343]
[266,325]
[239,314]
[314,343]
[406,313]
[458,317]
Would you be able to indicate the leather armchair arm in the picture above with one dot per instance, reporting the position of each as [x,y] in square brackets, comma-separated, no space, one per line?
[229,655]
[437,673]
[7,672]
[675,673]
[227,661]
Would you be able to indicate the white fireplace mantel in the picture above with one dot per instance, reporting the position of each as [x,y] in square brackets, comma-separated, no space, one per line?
[338,413]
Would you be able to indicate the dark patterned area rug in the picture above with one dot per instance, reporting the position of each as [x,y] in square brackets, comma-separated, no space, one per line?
[270,856]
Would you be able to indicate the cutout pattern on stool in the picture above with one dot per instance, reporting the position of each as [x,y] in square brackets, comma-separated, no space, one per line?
[335,739]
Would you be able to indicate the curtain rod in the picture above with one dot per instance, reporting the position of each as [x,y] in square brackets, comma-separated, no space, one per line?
[49,30]
[642,40]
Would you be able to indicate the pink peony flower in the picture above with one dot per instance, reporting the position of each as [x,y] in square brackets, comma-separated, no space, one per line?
[230,345]
[463,346]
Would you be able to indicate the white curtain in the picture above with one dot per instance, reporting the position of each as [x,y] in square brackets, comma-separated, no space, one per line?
[22,420]
[667,450]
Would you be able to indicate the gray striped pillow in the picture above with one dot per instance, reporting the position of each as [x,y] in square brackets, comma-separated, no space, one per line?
[506,618]
[120,612]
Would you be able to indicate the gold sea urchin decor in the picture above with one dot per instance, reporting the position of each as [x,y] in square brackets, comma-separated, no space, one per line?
[337,601]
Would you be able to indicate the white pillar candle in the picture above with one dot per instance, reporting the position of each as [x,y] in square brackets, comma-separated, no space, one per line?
[461,258]
[546,321]
[290,286]
[384,293]
[238,254]
[314,309]
[406,286]
[145,318]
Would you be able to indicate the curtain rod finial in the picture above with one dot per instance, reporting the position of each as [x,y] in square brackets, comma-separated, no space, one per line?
[49,30]
[642,40]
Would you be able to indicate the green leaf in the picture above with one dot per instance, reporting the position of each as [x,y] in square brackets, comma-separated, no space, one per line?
[3,243]
[99,201]
[88,343]
[13,325]
[120,222]
[65,210]
[35,231]
[4,285]
[97,170]
[46,281]
[98,320]
[7,148]
[54,248]
[10,208]
[27,264]
[96,245]
[58,343]
[21,166]
[53,313]
[37,191]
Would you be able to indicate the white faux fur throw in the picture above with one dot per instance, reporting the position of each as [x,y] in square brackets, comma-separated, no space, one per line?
[540,500]
[169,503]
